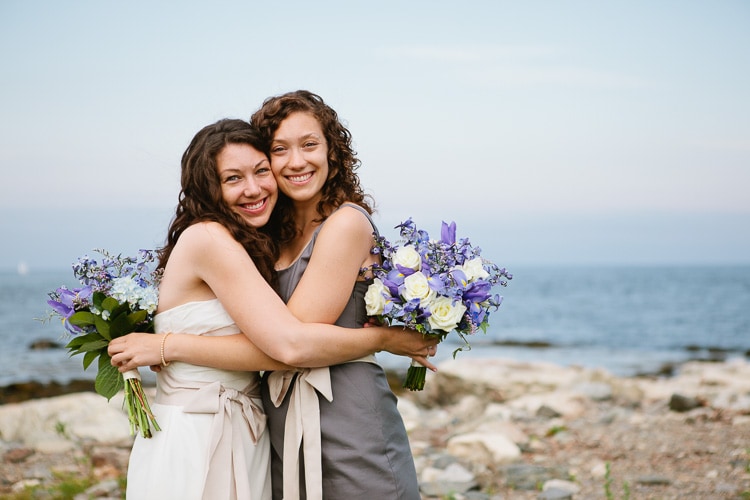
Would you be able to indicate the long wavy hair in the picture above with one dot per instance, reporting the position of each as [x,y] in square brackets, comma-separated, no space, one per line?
[201,200]
[342,183]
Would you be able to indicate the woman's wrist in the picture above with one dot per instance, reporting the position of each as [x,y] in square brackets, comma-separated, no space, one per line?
[165,359]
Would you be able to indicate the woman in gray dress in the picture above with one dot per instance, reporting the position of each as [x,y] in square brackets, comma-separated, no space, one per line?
[326,236]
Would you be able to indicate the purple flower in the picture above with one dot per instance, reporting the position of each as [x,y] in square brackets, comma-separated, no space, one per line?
[477,292]
[448,233]
[68,302]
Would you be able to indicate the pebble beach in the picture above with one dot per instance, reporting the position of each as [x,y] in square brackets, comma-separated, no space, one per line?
[481,429]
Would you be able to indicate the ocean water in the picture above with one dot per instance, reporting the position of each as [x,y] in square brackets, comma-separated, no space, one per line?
[628,320]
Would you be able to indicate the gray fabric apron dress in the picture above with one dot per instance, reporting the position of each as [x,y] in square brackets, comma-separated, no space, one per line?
[365,448]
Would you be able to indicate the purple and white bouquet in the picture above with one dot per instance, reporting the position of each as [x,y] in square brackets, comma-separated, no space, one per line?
[118,296]
[433,286]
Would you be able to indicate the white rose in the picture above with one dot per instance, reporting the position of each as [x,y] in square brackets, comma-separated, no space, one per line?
[474,269]
[374,298]
[417,287]
[445,315]
[407,257]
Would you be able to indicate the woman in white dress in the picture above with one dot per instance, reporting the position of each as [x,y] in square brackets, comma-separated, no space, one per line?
[217,269]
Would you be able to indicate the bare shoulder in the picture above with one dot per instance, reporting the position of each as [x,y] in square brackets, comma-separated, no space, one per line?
[350,221]
[205,229]
[205,233]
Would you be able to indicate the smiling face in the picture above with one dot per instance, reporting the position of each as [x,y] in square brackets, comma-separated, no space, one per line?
[299,157]
[248,186]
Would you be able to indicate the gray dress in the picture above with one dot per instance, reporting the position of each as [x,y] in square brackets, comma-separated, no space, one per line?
[365,449]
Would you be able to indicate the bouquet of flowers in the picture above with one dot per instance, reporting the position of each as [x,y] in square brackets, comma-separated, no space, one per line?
[118,296]
[434,287]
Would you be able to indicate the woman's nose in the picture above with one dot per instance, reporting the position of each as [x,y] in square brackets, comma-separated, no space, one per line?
[296,158]
[252,189]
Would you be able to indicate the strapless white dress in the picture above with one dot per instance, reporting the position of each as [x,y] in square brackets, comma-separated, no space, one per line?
[213,443]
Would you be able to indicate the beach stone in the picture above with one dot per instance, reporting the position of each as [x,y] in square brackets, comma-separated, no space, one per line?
[485,448]
[44,344]
[557,403]
[53,425]
[17,455]
[495,380]
[555,494]
[104,489]
[561,485]
[410,413]
[596,391]
[653,480]
[529,477]
[50,443]
[507,429]
[441,482]
[545,411]
[681,403]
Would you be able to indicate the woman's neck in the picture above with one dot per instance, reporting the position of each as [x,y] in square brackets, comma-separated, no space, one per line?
[306,220]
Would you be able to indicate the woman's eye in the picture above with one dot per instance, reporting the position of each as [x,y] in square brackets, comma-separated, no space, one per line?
[278,149]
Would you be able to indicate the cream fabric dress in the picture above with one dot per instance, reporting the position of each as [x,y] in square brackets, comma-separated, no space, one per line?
[213,443]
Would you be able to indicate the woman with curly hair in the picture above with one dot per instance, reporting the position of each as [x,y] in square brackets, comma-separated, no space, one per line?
[359,448]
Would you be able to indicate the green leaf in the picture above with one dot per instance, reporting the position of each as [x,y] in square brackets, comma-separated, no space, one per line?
[82,318]
[137,317]
[110,304]
[77,342]
[109,381]
[89,357]
[94,346]
[123,308]
[121,325]
[97,299]
[103,328]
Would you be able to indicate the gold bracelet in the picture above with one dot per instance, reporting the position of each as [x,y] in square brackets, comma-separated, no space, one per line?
[161,349]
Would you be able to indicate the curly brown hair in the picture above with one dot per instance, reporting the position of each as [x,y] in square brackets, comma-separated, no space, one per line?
[342,183]
[201,200]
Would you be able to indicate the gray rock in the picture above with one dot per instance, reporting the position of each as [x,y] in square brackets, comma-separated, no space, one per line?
[681,403]
[546,411]
[530,477]
[653,480]
[555,494]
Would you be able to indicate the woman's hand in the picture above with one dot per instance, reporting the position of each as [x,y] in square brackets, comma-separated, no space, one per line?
[404,342]
[136,349]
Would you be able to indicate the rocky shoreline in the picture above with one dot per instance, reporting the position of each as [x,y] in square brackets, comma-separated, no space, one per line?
[481,429]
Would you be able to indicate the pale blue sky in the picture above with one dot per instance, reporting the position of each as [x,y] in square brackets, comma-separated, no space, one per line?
[552,132]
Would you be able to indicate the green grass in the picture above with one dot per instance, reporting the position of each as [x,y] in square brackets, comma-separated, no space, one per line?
[608,485]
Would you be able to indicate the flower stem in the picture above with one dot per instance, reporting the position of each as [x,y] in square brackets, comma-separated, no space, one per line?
[415,378]
[140,415]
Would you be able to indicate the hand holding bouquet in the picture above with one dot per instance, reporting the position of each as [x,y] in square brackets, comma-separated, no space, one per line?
[118,296]
[434,287]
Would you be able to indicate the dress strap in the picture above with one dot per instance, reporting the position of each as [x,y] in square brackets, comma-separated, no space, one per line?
[366,214]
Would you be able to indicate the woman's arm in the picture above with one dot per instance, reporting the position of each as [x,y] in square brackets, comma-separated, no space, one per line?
[341,249]
[264,318]
[225,267]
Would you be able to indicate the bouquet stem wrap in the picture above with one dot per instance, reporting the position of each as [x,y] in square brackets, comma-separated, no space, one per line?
[140,415]
[415,377]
